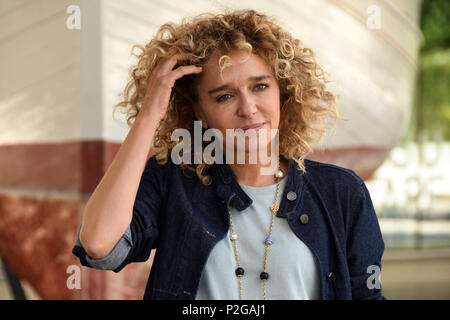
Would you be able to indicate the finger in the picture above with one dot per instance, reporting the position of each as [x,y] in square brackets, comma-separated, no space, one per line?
[171,62]
[182,71]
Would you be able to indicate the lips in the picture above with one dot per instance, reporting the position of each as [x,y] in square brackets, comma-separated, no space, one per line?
[254,127]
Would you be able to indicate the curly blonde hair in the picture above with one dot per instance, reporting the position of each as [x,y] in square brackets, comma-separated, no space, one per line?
[307,107]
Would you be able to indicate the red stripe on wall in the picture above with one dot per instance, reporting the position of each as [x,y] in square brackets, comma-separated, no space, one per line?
[78,166]
[74,166]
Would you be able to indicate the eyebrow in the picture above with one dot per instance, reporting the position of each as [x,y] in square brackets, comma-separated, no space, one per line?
[227,85]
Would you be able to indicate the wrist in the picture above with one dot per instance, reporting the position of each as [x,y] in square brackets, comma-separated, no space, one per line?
[149,118]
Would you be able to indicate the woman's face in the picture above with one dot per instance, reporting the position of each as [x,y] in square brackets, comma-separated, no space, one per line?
[247,94]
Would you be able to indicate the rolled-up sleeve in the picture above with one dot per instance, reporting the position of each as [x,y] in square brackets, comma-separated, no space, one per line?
[113,260]
[142,235]
[365,247]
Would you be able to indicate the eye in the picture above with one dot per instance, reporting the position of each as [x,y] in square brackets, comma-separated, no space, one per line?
[261,86]
[223,97]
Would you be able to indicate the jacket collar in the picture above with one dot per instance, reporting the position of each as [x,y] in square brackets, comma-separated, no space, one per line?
[230,192]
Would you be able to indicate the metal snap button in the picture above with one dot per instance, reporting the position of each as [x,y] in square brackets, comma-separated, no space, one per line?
[304,218]
[291,196]
[227,179]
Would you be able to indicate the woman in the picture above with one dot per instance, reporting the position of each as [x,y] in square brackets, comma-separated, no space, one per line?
[226,230]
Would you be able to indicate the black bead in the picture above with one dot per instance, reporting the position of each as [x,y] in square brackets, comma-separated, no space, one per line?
[264,276]
[240,271]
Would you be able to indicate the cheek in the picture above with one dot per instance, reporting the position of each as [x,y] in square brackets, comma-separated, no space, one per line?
[273,113]
[221,119]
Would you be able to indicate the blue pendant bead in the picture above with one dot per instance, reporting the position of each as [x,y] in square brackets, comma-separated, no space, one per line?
[268,241]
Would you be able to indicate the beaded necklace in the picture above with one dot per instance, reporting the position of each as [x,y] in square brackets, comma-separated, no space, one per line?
[264,276]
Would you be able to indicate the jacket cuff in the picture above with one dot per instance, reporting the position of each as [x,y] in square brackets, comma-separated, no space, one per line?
[113,260]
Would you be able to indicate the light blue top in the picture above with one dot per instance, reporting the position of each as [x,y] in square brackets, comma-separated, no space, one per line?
[292,269]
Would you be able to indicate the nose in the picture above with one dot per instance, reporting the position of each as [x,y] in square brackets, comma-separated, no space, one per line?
[248,106]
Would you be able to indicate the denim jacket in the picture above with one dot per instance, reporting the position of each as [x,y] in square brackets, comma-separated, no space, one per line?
[329,208]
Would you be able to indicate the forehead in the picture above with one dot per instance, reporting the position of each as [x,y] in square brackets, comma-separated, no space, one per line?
[234,65]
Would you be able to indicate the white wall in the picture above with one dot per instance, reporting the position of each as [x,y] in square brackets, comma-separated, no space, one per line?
[39,72]
[373,70]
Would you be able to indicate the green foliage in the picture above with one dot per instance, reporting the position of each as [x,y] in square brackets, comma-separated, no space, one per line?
[435,19]
[431,112]
[435,91]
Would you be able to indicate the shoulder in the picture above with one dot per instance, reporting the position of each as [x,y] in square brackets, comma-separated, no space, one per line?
[317,168]
[157,173]
[159,168]
[327,175]
[168,174]
[341,190]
